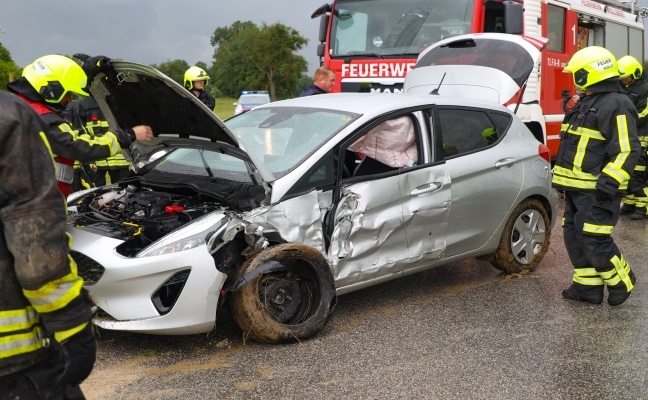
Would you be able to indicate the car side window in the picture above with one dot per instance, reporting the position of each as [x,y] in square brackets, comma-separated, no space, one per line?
[466,130]
[391,145]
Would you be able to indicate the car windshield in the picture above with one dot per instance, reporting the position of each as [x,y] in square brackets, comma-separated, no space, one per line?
[283,137]
[193,165]
[254,99]
[392,28]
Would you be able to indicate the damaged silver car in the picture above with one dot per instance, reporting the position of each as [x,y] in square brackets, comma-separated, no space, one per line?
[284,207]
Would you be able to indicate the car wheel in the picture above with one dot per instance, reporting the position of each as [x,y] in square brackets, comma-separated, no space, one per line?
[525,239]
[289,303]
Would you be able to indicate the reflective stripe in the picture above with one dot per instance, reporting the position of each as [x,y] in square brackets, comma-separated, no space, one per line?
[56,294]
[64,172]
[17,320]
[580,152]
[108,139]
[578,174]
[616,172]
[640,168]
[588,133]
[573,183]
[644,112]
[623,270]
[600,229]
[587,276]
[64,335]
[615,168]
[19,344]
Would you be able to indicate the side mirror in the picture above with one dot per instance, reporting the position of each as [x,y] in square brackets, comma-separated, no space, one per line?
[320,50]
[513,18]
[323,28]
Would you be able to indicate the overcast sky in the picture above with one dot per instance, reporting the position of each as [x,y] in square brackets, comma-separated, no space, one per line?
[144,31]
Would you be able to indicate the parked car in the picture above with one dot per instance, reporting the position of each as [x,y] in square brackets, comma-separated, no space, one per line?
[250,99]
[287,206]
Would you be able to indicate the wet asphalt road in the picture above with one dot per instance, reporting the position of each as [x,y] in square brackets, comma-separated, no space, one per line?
[461,331]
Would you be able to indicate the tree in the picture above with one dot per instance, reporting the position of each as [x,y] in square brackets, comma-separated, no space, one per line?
[257,58]
[8,68]
[174,69]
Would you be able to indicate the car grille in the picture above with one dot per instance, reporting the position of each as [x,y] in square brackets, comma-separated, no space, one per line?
[90,270]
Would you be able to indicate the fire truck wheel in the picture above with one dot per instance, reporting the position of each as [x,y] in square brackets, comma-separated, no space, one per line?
[291,302]
[525,239]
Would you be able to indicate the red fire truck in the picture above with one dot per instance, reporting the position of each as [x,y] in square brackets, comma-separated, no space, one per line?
[371,44]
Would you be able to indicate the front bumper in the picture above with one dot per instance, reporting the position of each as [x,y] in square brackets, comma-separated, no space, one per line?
[127,285]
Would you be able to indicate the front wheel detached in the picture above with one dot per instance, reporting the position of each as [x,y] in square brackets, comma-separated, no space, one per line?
[292,302]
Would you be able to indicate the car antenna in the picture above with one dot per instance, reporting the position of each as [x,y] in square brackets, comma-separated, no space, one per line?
[436,91]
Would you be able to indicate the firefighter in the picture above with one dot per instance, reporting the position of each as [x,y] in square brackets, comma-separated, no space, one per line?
[598,151]
[47,85]
[631,75]
[46,342]
[86,116]
[195,81]
[323,82]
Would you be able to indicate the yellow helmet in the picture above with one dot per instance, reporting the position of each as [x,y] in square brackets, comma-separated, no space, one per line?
[629,66]
[591,65]
[53,76]
[195,74]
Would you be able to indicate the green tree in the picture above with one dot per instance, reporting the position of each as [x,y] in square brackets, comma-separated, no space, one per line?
[249,57]
[8,68]
[174,69]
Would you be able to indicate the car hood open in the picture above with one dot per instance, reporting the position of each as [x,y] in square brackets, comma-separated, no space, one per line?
[486,66]
[142,95]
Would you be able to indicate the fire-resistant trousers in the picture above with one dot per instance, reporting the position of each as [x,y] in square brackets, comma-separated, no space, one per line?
[587,228]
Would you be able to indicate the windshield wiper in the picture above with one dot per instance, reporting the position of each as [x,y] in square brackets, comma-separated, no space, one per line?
[354,54]
[209,171]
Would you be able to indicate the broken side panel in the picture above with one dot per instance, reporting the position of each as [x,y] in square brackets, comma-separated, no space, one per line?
[384,226]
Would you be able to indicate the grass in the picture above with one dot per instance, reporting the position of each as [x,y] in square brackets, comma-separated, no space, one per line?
[224,107]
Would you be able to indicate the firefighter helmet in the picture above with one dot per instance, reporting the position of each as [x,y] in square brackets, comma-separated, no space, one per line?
[54,75]
[591,65]
[195,74]
[629,66]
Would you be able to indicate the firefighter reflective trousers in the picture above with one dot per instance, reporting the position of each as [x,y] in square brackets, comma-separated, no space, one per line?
[587,228]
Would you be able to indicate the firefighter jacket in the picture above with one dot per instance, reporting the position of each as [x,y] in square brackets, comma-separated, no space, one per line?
[599,146]
[65,142]
[86,116]
[207,99]
[638,92]
[41,293]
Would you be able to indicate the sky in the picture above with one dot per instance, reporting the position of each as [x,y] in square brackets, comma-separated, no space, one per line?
[146,31]
[143,31]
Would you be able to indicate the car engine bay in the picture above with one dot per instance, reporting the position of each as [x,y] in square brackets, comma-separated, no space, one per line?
[137,215]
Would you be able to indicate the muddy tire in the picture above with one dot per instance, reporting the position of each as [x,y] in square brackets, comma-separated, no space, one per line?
[285,305]
[525,239]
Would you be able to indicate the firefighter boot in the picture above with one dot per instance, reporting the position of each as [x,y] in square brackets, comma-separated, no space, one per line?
[627,209]
[639,213]
[619,293]
[590,294]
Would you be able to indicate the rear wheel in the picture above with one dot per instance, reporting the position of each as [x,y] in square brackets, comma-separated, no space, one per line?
[525,239]
[287,304]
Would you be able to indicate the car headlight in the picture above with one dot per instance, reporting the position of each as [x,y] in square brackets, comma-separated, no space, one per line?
[188,237]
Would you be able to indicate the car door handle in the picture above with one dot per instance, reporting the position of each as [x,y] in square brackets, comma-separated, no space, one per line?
[505,162]
[427,188]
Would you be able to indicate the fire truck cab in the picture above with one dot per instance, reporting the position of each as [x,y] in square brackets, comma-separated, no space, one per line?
[372,44]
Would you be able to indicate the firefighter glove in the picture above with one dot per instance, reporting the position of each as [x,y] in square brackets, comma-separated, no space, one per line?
[93,66]
[81,351]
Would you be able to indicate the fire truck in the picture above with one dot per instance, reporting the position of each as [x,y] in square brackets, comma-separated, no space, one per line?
[372,44]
